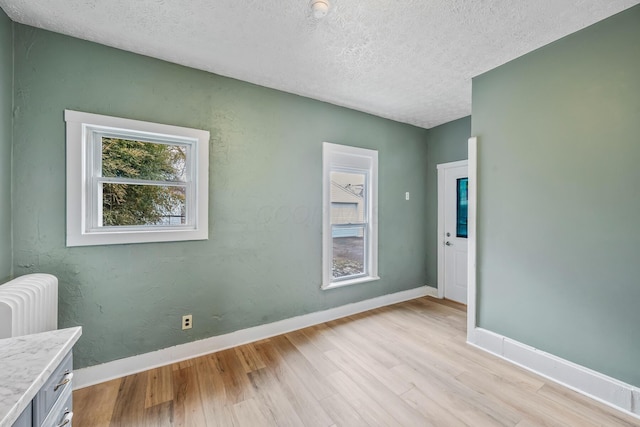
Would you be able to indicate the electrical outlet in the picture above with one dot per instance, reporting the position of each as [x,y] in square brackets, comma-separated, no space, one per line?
[187,321]
[406,195]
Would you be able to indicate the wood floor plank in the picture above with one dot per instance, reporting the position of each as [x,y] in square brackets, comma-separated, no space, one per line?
[311,353]
[248,358]
[317,383]
[250,413]
[421,354]
[476,359]
[453,356]
[341,412]
[182,364]
[368,409]
[160,415]
[187,402]
[369,363]
[159,386]
[529,423]
[434,414]
[129,406]
[349,329]
[470,408]
[402,365]
[435,326]
[466,356]
[450,303]
[268,391]
[93,406]
[236,384]
[520,401]
[213,393]
[305,404]
[369,384]
[316,335]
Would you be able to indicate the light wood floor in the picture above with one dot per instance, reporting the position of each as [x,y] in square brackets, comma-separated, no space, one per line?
[403,365]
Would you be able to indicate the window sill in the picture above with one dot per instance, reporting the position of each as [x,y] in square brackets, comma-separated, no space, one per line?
[342,283]
[136,236]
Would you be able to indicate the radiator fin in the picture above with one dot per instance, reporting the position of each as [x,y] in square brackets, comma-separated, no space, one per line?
[28,305]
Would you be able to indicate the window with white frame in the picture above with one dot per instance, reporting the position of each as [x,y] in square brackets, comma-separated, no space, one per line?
[130,181]
[350,223]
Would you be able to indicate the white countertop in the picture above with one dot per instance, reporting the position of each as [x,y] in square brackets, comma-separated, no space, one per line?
[26,362]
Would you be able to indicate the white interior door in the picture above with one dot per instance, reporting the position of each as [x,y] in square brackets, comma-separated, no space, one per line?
[453,237]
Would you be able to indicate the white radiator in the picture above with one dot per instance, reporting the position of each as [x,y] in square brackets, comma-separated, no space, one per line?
[28,305]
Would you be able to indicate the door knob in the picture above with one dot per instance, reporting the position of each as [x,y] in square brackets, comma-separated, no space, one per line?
[448,243]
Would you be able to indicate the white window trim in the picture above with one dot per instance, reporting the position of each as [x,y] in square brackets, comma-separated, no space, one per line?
[80,127]
[343,156]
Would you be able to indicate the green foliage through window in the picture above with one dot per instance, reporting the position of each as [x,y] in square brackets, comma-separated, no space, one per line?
[155,202]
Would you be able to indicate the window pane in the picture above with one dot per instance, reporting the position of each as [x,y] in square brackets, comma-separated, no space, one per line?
[348,251]
[129,204]
[124,158]
[347,198]
[461,207]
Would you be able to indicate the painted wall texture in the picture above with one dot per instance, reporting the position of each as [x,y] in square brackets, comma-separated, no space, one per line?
[262,262]
[6,98]
[446,143]
[558,232]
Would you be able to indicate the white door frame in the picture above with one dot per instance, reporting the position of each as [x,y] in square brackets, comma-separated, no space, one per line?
[441,171]
[472,206]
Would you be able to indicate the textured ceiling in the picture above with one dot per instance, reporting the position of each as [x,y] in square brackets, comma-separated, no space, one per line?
[406,60]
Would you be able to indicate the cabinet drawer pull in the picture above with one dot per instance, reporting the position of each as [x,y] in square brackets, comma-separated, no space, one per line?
[68,415]
[67,379]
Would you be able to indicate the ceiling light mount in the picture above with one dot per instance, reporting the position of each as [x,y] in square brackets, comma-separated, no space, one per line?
[320,8]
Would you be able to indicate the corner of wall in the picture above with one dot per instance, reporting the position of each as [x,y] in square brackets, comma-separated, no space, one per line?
[13,104]
[6,135]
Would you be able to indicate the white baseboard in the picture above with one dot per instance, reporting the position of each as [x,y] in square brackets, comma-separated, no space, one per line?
[119,368]
[600,387]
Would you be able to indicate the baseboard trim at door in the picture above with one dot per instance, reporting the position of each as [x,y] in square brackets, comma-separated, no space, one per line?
[119,368]
[611,392]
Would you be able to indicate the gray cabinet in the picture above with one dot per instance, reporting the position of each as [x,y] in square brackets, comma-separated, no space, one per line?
[52,405]
[26,418]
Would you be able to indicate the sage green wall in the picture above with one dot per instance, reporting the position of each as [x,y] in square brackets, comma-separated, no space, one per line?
[558,194]
[445,143]
[6,98]
[262,262]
